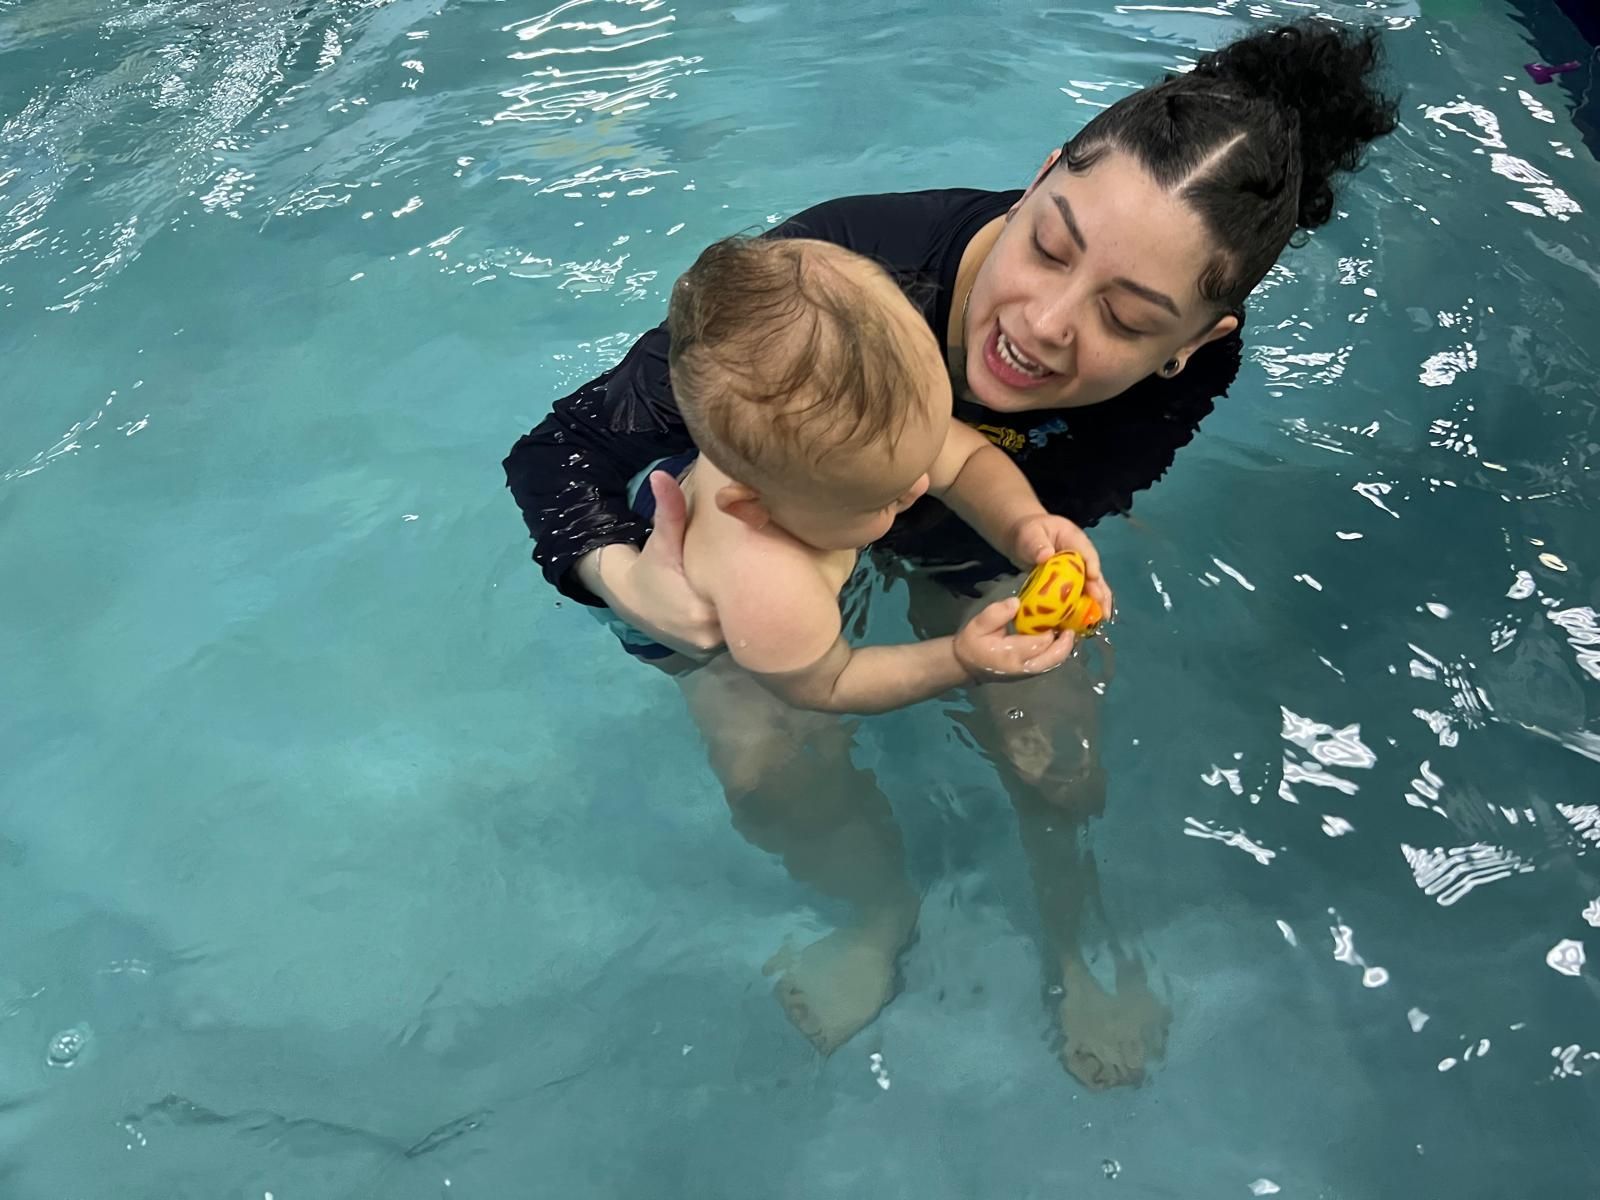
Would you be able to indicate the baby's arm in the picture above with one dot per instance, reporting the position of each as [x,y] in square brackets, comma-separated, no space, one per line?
[780,619]
[982,486]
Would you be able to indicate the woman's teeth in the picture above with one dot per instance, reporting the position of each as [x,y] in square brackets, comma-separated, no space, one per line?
[1015,358]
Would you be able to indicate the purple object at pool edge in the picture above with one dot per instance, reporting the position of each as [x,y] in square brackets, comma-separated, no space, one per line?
[1544,74]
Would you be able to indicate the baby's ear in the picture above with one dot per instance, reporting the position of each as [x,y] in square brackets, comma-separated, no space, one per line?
[743,504]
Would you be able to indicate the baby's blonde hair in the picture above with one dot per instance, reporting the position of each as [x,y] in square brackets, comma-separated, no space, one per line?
[780,355]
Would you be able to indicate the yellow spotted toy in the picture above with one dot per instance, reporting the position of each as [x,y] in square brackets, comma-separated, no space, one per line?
[1053,597]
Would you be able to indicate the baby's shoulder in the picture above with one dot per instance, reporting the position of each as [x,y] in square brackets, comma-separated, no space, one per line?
[729,559]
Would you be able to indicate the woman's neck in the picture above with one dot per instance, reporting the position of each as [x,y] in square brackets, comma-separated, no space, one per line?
[972,259]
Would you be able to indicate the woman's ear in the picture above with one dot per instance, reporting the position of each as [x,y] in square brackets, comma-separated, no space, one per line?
[1221,328]
[1224,325]
[1050,161]
[1049,165]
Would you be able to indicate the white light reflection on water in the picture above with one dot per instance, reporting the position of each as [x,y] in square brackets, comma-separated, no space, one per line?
[1236,838]
[1448,875]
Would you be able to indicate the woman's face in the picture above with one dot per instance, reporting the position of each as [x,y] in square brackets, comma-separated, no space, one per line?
[1090,287]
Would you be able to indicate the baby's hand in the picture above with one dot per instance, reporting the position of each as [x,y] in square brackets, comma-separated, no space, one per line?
[1036,538]
[991,653]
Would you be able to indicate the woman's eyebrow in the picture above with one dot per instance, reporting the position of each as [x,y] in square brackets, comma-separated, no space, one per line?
[1072,222]
[1160,299]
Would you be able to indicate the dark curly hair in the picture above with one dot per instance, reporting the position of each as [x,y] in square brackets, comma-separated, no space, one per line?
[1252,139]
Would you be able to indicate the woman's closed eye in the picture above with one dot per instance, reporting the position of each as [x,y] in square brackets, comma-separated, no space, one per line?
[1120,327]
[1045,253]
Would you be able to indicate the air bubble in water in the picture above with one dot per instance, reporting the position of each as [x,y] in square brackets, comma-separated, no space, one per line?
[66,1046]
[879,1071]
[1016,714]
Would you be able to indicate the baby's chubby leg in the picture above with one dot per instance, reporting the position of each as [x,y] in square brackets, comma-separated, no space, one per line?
[794,792]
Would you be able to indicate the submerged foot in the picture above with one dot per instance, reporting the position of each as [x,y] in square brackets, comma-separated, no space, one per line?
[1110,1039]
[834,987]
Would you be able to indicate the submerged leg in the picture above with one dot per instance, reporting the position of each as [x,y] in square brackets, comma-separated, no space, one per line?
[1042,736]
[794,793]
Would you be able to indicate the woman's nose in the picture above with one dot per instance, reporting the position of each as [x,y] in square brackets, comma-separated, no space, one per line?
[1053,326]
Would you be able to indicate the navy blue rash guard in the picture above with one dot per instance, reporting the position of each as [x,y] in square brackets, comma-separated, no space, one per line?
[570,473]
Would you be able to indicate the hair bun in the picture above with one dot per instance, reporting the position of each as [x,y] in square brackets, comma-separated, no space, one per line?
[1322,76]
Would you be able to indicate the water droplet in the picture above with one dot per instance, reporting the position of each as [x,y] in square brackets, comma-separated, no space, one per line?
[1111,1167]
[66,1046]
[1016,714]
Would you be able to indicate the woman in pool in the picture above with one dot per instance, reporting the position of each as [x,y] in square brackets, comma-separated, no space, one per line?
[1089,321]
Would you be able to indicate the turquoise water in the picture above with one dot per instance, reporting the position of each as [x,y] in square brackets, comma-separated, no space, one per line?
[349,863]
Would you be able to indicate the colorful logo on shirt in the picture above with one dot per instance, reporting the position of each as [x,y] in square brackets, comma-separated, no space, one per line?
[1007,439]
[1040,434]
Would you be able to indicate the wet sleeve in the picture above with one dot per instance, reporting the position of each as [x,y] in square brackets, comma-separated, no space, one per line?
[569,475]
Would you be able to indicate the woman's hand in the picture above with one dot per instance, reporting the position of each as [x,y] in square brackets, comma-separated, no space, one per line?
[1035,539]
[648,589]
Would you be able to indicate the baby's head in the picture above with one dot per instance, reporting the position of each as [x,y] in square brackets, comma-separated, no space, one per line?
[806,376]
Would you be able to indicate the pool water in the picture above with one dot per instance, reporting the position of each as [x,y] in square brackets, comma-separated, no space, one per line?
[339,859]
